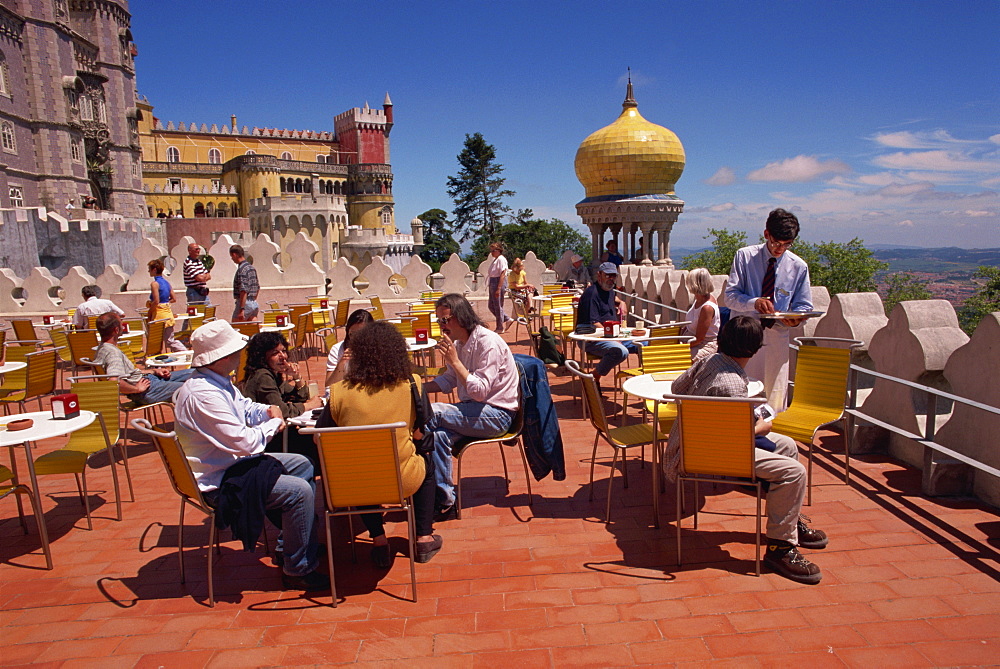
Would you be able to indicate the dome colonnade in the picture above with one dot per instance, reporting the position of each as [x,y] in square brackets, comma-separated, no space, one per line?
[629,170]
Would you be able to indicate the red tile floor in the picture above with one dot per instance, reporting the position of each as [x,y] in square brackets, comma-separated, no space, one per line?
[907,581]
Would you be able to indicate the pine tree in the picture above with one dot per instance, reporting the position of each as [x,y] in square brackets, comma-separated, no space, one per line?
[478,190]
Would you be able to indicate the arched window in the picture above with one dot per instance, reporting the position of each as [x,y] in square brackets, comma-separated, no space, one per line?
[320,158]
[86,108]
[281,184]
[199,210]
[173,154]
[7,133]
[285,155]
[336,188]
[387,216]
[307,185]
[251,152]
[222,210]
[298,185]
[329,188]
[214,157]
[4,83]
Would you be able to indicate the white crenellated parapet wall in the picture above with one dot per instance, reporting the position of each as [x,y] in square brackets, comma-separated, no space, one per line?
[920,341]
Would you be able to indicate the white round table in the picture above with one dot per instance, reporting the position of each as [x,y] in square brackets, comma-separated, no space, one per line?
[655,386]
[413,346]
[11,366]
[277,328]
[174,359]
[45,427]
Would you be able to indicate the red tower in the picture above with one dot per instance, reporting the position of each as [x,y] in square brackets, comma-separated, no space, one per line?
[364,134]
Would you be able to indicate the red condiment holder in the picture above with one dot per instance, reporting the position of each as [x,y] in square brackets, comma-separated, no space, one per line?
[324,304]
[280,320]
[420,334]
[65,406]
[612,328]
[47,320]
[192,310]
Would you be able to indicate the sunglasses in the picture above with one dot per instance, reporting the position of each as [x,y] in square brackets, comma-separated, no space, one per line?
[445,320]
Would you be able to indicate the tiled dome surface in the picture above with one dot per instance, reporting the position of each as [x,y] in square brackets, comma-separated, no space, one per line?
[629,157]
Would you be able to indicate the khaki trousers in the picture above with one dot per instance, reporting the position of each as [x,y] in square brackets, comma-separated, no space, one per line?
[788,487]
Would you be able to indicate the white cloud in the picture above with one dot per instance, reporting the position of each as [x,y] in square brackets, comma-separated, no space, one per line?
[906,224]
[991,183]
[981,213]
[995,139]
[919,140]
[714,208]
[799,169]
[936,160]
[904,190]
[878,179]
[723,177]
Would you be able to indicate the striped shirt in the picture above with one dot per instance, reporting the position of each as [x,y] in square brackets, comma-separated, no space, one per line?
[193,268]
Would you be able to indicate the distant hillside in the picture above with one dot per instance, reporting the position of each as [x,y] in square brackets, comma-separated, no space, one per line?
[938,261]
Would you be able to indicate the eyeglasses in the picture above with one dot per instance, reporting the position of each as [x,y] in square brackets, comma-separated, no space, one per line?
[444,320]
[781,245]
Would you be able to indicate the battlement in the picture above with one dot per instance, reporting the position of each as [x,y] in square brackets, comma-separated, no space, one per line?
[359,117]
[246,131]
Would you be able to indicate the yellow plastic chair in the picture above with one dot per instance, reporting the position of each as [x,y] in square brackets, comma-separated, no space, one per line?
[9,487]
[661,354]
[101,397]
[820,393]
[717,444]
[432,295]
[182,479]
[39,380]
[17,380]
[342,313]
[360,468]
[249,329]
[192,324]
[92,322]
[619,438]
[154,339]
[271,316]
[24,330]
[273,305]
[461,447]
[60,341]
[376,309]
[549,288]
[209,312]
[404,325]
[81,346]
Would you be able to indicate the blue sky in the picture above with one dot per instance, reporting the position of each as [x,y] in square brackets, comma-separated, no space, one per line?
[872,119]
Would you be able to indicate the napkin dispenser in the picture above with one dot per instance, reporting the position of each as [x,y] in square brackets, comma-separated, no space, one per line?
[612,328]
[192,310]
[125,327]
[420,334]
[65,406]
[47,320]
[324,304]
[280,320]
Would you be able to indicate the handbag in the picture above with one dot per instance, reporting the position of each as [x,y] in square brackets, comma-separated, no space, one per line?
[422,414]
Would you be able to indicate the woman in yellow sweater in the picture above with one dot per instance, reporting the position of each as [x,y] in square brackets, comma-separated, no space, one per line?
[376,390]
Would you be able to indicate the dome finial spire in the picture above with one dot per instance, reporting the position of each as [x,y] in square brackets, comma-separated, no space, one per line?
[629,98]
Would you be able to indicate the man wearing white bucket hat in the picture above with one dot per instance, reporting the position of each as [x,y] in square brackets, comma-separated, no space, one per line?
[217,426]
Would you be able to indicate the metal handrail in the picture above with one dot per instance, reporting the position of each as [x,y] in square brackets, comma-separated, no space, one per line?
[628,296]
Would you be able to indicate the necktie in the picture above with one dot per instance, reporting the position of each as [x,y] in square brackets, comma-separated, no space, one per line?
[767,287]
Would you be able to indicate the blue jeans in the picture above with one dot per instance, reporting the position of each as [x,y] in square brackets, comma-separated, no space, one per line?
[250,309]
[161,390]
[194,297]
[612,354]
[451,422]
[294,495]
[496,303]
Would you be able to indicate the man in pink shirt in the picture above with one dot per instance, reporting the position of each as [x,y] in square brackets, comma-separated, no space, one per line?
[481,367]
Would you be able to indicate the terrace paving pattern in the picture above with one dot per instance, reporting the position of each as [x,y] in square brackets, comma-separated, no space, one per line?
[907,580]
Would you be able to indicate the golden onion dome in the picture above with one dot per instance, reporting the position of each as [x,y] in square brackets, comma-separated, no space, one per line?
[630,157]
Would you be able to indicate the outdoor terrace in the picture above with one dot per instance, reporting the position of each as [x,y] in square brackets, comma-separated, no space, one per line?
[908,580]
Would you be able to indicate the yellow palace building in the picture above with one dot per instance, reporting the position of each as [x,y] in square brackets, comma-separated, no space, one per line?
[336,187]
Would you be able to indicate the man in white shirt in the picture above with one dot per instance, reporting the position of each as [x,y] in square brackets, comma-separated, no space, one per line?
[92,305]
[217,426]
[481,367]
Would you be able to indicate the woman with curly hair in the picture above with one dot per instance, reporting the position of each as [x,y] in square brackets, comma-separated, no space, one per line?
[271,379]
[340,355]
[376,390]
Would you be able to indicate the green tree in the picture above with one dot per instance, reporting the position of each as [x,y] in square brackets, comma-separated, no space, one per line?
[439,243]
[478,190]
[549,239]
[719,258]
[984,302]
[903,286]
[842,268]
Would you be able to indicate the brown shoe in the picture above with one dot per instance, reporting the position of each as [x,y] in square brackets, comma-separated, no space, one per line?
[809,537]
[785,559]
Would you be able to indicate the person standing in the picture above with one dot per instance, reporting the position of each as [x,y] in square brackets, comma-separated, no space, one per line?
[196,277]
[161,296]
[245,286]
[481,366]
[497,275]
[765,279]
[611,254]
